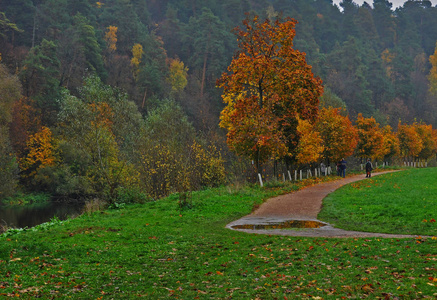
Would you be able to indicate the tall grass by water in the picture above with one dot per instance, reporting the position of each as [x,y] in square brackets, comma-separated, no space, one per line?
[159,251]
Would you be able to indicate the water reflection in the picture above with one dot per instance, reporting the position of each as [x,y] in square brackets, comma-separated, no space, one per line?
[35,214]
[282,225]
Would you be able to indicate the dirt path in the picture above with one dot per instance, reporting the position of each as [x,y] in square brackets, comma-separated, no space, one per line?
[303,205]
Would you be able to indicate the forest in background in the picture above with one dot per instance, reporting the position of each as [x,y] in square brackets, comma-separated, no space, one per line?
[88,72]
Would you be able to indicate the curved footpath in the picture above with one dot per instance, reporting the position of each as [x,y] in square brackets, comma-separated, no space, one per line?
[304,205]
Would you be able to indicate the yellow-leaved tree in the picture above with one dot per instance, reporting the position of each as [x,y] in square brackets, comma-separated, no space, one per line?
[310,147]
[390,143]
[40,152]
[177,77]
[137,54]
[111,38]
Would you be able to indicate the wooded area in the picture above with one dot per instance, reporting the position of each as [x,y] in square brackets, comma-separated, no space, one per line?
[119,98]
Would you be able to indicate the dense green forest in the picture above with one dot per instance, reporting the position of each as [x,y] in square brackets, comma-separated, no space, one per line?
[79,77]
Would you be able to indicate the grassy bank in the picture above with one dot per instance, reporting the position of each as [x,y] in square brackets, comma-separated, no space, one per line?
[158,251]
[26,199]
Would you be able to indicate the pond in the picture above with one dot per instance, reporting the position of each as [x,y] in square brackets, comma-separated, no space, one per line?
[21,216]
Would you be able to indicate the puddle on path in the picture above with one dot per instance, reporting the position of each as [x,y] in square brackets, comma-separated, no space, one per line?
[282,225]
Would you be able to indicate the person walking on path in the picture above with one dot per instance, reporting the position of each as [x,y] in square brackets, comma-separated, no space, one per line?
[343,168]
[369,168]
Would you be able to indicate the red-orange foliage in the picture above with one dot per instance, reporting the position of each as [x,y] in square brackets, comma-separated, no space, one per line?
[339,136]
[268,86]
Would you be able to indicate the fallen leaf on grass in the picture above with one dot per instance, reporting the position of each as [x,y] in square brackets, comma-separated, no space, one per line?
[15,259]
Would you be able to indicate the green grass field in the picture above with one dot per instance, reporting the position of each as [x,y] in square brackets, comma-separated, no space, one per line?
[156,251]
[402,202]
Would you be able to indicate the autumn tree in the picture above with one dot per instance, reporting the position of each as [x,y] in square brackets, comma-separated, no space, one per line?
[410,142]
[339,136]
[177,77]
[137,54]
[310,147]
[390,142]
[171,157]
[370,138]
[429,144]
[40,153]
[267,87]
[111,38]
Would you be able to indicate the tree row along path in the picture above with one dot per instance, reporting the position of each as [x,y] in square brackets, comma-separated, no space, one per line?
[303,205]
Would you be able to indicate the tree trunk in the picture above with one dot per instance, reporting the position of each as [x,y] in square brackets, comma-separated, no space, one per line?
[144,99]
[205,60]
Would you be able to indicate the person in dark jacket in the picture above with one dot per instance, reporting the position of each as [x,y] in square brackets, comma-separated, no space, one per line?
[369,168]
[343,167]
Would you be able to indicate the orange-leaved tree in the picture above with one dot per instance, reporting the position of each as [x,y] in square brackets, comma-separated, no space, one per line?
[268,85]
[410,142]
[428,141]
[370,138]
[390,142]
[339,136]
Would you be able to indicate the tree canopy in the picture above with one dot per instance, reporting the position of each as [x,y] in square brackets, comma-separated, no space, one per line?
[268,87]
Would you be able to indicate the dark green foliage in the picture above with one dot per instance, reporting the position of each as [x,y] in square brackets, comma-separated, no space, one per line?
[8,166]
[40,78]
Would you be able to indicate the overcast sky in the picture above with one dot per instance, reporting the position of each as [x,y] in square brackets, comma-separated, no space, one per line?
[396,3]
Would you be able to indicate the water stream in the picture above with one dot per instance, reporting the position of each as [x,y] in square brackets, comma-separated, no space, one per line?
[35,214]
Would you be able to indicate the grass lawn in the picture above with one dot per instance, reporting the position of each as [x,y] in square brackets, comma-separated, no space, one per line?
[402,202]
[156,251]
